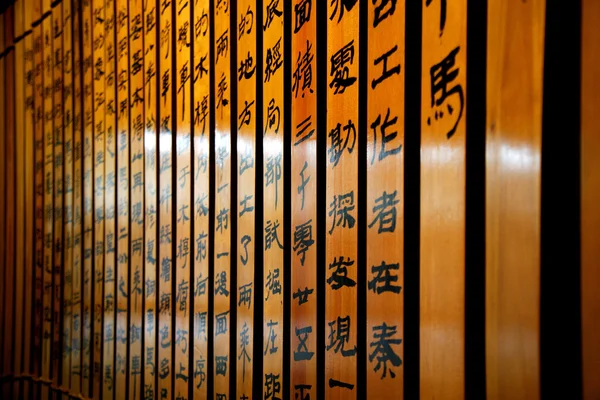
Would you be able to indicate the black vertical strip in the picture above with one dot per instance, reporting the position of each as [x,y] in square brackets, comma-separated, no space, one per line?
[361,225]
[560,322]
[412,189]
[233,202]
[174,196]
[287,195]
[129,283]
[158,128]
[257,369]
[192,279]
[321,55]
[475,201]
[211,212]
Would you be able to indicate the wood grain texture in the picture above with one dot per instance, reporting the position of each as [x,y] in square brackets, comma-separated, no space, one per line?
[590,197]
[513,163]
[304,223]
[341,201]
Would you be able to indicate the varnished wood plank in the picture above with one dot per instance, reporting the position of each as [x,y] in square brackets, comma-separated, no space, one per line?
[513,161]
[590,198]
[202,143]
[443,134]
[274,225]
[341,241]
[304,223]
[122,292]
[385,200]
[246,196]
[222,241]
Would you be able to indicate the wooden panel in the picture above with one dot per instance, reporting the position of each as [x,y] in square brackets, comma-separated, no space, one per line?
[303,280]
[246,145]
[202,143]
[68,186]
[165,252]
[222,273]
[151,195]
[136,187]
[385,200]
[88,193]
[183,196]
[273,204]
[122,292]
[77,273]
[341,200]
[110,159]
[443,134]
[513,156]
[590,197]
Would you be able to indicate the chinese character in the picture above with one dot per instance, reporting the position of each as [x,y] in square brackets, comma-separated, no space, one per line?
[384,280]
[385,73]
[303,239]
[340,335]
[273,284]
[302,354]
[381,13]
[303,71]
[271,13]
[273,173]
[386,212]
[302,14]
[221,287]
[273,117]
[304,130]
[340,209]
[272,387]
[245,295]
[339,7]
[338,145]
[271,234]
[245,341]
[383,351]
[273,60]
[385,137]
[302,295]
[339,276]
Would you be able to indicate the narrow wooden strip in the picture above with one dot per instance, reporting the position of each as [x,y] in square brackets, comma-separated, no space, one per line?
[77,273]
[385,201]
[342,201]
[248,27]
[590,197]
[304,223]
[122,291]
[165,251]
[443,133]
[273,204]
[136,187]
[151,196]
[222,273]
[202,143]
[68,187]
[110,154]
[183,195]
[514,124]
[2,181]
[88,193]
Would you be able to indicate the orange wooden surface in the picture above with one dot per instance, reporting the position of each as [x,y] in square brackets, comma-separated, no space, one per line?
[122,177]
[273,204]
[304,222]
[166,204]
[222,241]
[150,19]
[201,162]
[443,134]
[385,202]
[341,202]
[590,198]
[513,155]
[246,194]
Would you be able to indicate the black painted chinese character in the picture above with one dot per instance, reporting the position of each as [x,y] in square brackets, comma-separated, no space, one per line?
[303,71]
[385,212]
[339,145]
[383,352]
[340,209]
[339,276]
[340,335]
[302,353]
[303,239]
[386,73]
[383,279]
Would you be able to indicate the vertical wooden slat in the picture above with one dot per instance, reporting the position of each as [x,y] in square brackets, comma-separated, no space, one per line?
[246,198]
[48,196]
[88,193]
[222,273]
[19,170]
[590,198]
[273,204]
[443,134]
[68,188]
[165,252]
[77,272]
[202,143]
[304,223]
[385,200]
[122,291]
[151,195]
[110,149]
[183,195]
[341,201]
[136,186]
[513,163]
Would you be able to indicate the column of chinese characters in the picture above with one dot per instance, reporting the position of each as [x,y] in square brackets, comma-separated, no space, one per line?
[385,239]
[341,199]
[303,379]
[273,205]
